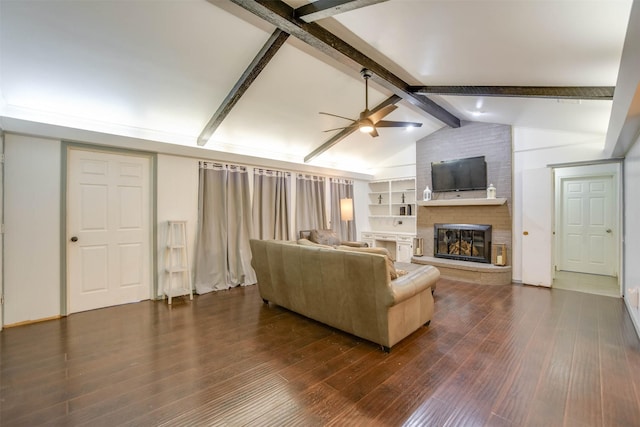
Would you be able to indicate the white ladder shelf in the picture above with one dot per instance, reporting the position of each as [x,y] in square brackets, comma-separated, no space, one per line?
[177,262]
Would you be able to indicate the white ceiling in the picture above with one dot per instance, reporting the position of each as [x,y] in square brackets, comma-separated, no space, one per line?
[160,69]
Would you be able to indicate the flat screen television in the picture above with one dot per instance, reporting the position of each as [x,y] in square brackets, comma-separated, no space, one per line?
[459,174]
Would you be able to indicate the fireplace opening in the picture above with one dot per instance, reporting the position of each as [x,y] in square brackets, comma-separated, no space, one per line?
[466,242]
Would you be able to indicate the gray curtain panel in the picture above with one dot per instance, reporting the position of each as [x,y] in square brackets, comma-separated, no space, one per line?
[239,224]
[271,204]
[310,203]
[342,189]
[223,255]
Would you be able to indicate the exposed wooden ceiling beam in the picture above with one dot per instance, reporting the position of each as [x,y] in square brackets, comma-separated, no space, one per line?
[282,16]
[260,61]
[555,92]
[326,8]
[393,99]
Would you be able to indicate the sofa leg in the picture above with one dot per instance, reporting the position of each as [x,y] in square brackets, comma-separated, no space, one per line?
[386,349]
[266,301]
[428,323]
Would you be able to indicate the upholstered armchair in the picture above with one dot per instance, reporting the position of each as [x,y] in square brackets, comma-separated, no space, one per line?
[328,237]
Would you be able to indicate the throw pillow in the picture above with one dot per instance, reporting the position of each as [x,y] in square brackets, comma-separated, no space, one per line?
[324,237]
[378,251]
[307,242]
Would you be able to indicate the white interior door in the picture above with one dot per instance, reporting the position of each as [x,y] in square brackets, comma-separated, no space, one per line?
[537,191]
[587,226]
[108,229]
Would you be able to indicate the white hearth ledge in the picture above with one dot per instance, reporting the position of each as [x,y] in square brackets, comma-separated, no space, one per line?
[463,202]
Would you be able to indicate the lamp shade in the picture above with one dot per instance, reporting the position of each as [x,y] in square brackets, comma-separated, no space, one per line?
[346,209]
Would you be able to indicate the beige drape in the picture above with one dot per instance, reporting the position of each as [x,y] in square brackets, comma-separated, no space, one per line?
[223,255]
[310,202]
[271,204]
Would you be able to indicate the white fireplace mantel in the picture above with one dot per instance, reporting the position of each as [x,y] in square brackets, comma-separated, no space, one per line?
[463,202]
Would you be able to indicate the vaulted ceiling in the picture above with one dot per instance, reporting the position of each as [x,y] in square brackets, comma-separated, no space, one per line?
[164,70]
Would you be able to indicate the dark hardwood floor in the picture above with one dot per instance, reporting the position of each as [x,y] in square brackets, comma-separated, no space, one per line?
[493,355]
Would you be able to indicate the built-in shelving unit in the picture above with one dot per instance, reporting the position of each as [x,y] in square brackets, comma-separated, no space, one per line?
[392,216]
[464,202]
[392,198]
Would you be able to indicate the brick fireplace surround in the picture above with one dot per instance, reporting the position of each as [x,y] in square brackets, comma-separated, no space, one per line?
[471,139]
[498,217]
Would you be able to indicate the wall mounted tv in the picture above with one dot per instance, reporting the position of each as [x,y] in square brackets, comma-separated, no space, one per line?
[459,174]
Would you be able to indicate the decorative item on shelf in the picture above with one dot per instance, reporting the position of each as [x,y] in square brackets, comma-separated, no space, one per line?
[426,195]
[380,199]
[501,254]
[403,211]
[409,210]
[491,192]
[402,197]
[418,246]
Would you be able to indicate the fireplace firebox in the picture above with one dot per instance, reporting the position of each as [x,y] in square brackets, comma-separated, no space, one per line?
[466,242]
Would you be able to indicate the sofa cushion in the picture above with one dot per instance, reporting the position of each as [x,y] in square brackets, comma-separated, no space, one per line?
[324,237]
[307,242]
[378,251]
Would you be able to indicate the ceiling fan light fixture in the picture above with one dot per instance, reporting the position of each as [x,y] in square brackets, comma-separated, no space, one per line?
[365,126]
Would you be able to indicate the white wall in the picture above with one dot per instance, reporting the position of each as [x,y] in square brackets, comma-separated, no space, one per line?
[532,149]
[1,222]
[32,186]
[32,220]
[632,227]
[361,206]
[32,254]
[538,148]
[177,199]
[401,165]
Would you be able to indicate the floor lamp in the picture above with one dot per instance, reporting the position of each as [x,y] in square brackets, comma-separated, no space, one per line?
[346,214]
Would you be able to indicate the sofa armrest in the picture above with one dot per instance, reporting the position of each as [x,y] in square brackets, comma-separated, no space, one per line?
[355,244]
[412,283]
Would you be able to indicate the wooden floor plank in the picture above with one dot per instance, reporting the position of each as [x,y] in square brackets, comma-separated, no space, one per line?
[584,399]
[620,400]
[514,401]
[493,355]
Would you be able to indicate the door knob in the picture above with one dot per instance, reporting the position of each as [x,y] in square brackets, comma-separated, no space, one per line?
[74,239]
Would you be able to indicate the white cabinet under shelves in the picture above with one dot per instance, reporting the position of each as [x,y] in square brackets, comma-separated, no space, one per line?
[404,248]
[400,245]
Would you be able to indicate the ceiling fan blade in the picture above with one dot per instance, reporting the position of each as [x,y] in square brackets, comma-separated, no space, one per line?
[335,115]
[390,124]
[331,130]
[381,113]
